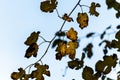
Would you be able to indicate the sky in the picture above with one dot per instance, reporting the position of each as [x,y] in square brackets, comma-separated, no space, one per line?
[18,18]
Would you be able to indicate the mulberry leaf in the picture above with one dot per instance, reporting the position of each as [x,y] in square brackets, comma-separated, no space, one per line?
[32,50]
[32,38]
[72,34]
[48,5]
[82,19]
[93,9]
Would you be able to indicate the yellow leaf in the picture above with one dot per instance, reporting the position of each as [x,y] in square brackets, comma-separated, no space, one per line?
[72,34]
[62,48]
[73,44]
[82,19]
[71,52]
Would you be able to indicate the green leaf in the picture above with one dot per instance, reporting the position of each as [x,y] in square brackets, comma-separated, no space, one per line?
[87,73]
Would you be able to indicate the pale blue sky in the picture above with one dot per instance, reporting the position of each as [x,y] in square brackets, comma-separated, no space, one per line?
[18,18]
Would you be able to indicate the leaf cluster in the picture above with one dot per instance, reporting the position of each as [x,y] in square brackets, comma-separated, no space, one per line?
[37,74]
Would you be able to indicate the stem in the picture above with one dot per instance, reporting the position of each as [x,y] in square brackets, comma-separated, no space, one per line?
[53,37]
[46,49]
[58,14]
[70,14]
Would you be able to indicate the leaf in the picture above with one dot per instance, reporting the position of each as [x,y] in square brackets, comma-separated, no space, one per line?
[102,35]
[67,18]
[88,50]
[48,5]
[20,75]
[72,34]
[113,4]
[60,34]
[117,36]
[75,64]
[32,50]
[32,38]
[90,34]
[87,73]
[110,3]
[93,7]
[82,20]
[118,27]
[71,49]
[38,73]
[57,41]
[106,65]
[118,14]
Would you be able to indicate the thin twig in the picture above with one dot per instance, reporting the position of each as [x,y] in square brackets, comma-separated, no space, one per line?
[70,14]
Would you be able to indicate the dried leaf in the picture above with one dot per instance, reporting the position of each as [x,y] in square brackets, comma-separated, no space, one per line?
[32,38]
[75,64]
[67,18]
[82,20]
[72,34]
[60,34]
[93,9]
[48,5]
[88,50]
[32,50]
[57,41]
[87,73]
[18,75]
[38,73]
[106,65]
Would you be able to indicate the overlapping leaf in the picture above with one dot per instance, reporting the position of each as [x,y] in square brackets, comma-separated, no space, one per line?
[32,50]
[106,65]
[72,34]
[38,73]
[67,18]
[82,20]
[77,64]
[88,50]
[21,75]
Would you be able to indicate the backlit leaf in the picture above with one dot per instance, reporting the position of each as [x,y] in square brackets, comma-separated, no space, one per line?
[38,73]
[72,34]
[75,64]
[32,50]
[82,20]
[32,38]
[48,5]
[93,9]
[87,73]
